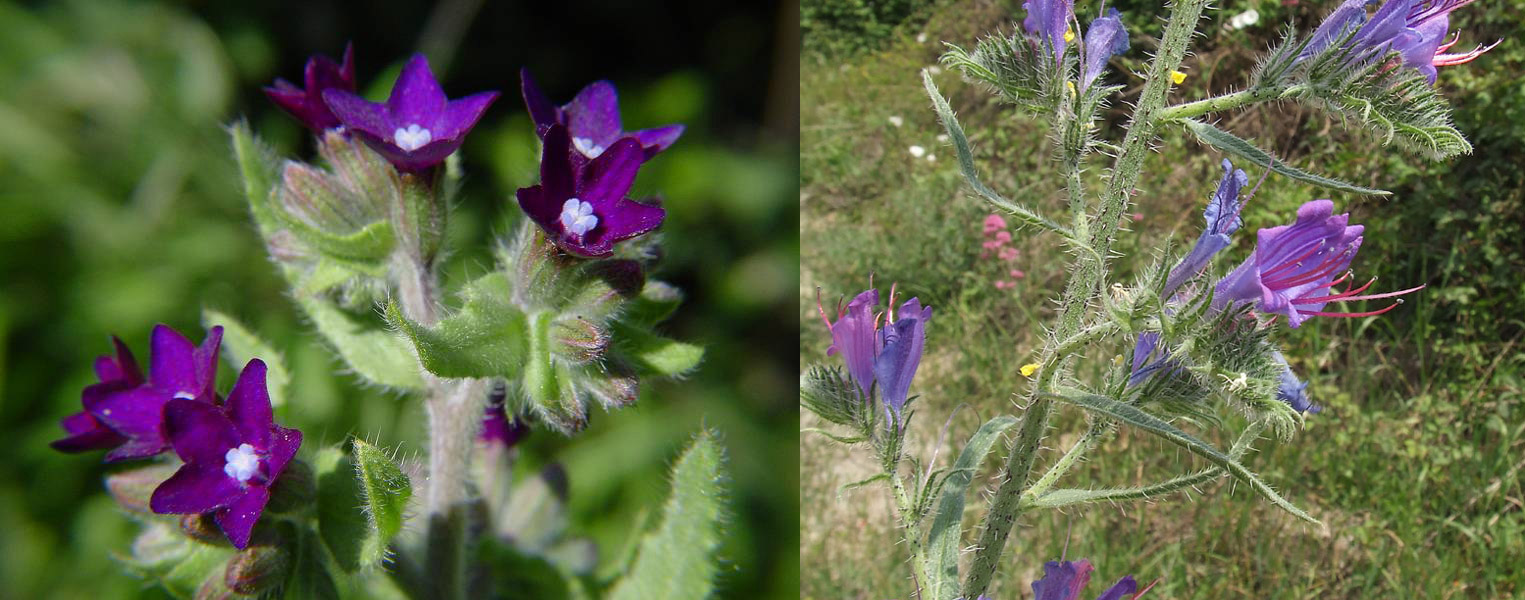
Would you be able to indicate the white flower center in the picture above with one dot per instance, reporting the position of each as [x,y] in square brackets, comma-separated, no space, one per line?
[242,462]
[577,217]
[412,138]
[185,395]
[587,147]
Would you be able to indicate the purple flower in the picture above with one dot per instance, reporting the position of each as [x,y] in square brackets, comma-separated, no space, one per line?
[497,428]
[887,356]
[176,369]
[232,455]
[1415,28]
[585,211]
[1223,220]
[116,374]
[418,126]
[1104,39]
[321,74]
[1065,580]
[1291,390]
[593,120]
[1049,22]
[1295,267]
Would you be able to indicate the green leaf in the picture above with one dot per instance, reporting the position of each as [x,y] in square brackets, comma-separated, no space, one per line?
[239,345]
[656,302]
[360,503]
[522,576]
[257,163]
[677,561]
[376,354]
[1133,416]
[202,562]
[1065,497]
[1242,148]
[943,541]
[310,578]
[486,338]
[652,353]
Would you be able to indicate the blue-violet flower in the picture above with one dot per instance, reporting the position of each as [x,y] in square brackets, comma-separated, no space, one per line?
[585,211]
[887,356]
[1049,22]
[116,374]
[232,455]
[418,126]
[1414,28]
[176,369]
[321,74]
[1104,39]
[1222,215]
[1065,580]
[593,120]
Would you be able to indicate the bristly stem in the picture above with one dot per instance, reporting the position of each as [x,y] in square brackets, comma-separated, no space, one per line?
[1228,101]
[1087,441]
[1079,292]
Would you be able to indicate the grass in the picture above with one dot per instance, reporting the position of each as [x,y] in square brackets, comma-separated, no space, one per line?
[1415,462]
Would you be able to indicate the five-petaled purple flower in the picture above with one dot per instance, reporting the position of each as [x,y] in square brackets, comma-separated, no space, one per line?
[885,356]
[593,120]
[132,408]
[321,74]
[1295,267]
[585,211]
[418,126]
[1065,580]
[116,374]
[1414,28]
[1049,22]
[1104,39]
[232,454]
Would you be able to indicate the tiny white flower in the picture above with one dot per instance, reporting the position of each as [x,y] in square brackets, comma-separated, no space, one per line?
[918,151]
[412,138]
[942,138]
[242,462]
[1244,19]
[577,217]
[897,121]
[921,38]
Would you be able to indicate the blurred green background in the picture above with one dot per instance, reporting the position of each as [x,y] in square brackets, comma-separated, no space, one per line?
[120,208]
[1415,463]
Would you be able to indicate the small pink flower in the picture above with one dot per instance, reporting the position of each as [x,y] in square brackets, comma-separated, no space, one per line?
[1017,274]
[1003,236]
[994,223]
[1009,254]
[1003,284]
[1138,216]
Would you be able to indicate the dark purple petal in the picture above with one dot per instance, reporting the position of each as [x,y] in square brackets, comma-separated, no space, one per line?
[1124,586]
[249,406]
[417,98]
[206,364]
[196,488]
[594,114]
[284,443]
[461,115]
[609,177]
[321,74]
[542,111]
[854,336]
[123,367]
[556,173]
[172,364]
[136,413]
[1105,38]
[626,220]
[358,114]
[658,139]
[542,209]
[498,429]
[200,432]
[237,519]
[86,433]
[1063,580]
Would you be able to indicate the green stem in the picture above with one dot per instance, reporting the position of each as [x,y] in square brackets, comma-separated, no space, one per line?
[1228,101]
[1079,292]
[1085,444]
[908,526]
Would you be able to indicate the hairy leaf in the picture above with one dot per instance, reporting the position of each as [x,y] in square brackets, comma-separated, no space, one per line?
[360,503]
[652,353]
[1242,148]
[486,338]
[946,533]
[376,354]
[677,561]
[239,345]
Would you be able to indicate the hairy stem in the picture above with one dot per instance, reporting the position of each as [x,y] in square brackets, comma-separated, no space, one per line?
[1087,442]
[1079,292]
[908,525]
[1228,101]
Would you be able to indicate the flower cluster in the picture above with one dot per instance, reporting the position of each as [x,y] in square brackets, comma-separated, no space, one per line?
[995,248]
[1064,580]
[882,358]
[232,451]
[1048,26]
[1416,29]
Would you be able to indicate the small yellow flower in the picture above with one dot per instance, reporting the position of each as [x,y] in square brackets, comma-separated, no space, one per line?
[1177,77]
[1071,86]
[1069,35]
[1029,368]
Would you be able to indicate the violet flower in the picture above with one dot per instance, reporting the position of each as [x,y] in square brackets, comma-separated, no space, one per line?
[1065,580]
[1104,39]
[418,126]
[498,429]
[116,374]
[585,211]
[232,455]
[176,369]
[1049,22]
[321,74]
[1291,390]
[1414,28]
[887,357]
[1294,268]
[1222,215]
[593,120]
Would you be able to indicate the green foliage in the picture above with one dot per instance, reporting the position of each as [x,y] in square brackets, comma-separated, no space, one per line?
[239,345]
[1242,148]
[849,26]
[654,354]
[678,560]
[485,338]
[361,497]
[374,353]
[944,539]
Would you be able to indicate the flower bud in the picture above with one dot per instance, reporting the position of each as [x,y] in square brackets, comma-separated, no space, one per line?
[256,569]
[214,588]
[294,490]
[201,527]
[578,340]
[132,489]
[616,387]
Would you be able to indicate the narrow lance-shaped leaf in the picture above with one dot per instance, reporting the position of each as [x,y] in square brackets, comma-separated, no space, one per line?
[1131,415]
[1066,497]
[361,497]
[677,561]
[239,344]
[1242,148]
[943,540]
